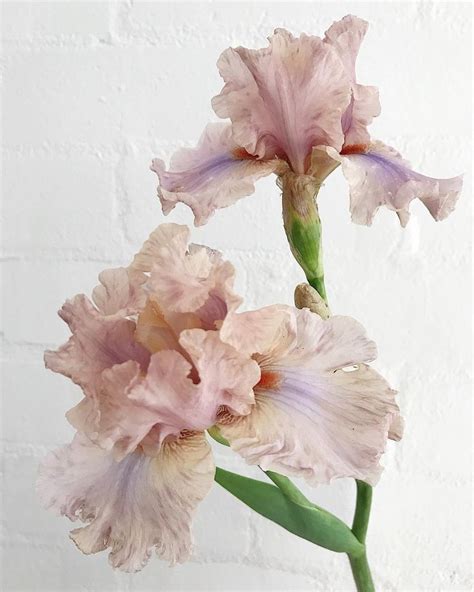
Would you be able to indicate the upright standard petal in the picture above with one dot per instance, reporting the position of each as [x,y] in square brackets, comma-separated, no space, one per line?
[120,291]
[346,37]
[192,281]
[313,417]
[284,99]
[97,342]
[179,391]
[131,506]
[110,418]
[187,393]
[378,175]
[214,175]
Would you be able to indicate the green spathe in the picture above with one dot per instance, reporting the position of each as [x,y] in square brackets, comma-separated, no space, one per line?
[306,521]
[303,226]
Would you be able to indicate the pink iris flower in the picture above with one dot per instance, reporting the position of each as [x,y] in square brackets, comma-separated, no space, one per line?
[296,108]
[161,355]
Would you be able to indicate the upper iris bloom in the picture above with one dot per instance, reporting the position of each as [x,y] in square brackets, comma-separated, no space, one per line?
[296,109]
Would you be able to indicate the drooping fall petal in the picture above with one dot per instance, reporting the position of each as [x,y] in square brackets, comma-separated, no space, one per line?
[214,175]
[132,506]
[283,99]
[378,175]
[313,417]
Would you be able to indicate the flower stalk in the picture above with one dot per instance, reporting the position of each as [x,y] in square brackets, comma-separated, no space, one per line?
[303,230]
[359,564]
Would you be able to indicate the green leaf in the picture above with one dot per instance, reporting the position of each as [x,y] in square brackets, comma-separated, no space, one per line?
[306,521]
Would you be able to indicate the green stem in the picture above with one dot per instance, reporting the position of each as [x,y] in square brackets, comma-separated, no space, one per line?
[359,564]
[362,510]
[288,488]
[361,573]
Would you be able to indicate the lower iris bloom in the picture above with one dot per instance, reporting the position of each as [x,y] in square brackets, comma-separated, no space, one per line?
[161,355]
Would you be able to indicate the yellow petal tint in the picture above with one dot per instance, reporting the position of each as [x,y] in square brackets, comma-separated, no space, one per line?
[153,331]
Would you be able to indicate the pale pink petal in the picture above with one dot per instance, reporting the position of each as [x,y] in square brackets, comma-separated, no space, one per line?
[131,506]
[229,374]
[379,176]
[213,175]
[196,284]
[120,291]
[169,393]
[284,99]
[185,396]
[320,411]
[98,342]
[396,428]
[267,330]
[167,241]
[192,281]
[346,37]
[111,418]
[179,391]
[364,106]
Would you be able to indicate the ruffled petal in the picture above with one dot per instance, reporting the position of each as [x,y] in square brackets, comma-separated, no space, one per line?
[364,106]
[315,417]
[187,393]
[120,292]
[192,281]
[379,176]
[167,241]
[179,391]
[346,37]
[111,418]
[213,175]
[98,342]
[131,506]
[225,372]
[270,330]
[155,333]
[284,99]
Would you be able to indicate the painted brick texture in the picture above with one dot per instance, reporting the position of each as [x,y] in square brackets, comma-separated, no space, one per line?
[91,91]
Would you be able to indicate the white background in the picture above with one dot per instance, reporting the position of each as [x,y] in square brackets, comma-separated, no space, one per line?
[91,92]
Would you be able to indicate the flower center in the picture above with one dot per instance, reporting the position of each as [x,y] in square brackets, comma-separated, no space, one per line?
[242,154]
[354,149]
[269,380]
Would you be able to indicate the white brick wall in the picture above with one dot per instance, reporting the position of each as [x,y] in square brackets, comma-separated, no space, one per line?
[93,90]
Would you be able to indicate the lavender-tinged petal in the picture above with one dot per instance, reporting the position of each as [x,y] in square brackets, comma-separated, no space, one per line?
[312,418]
[132,506]
[378,175]
[213,175]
